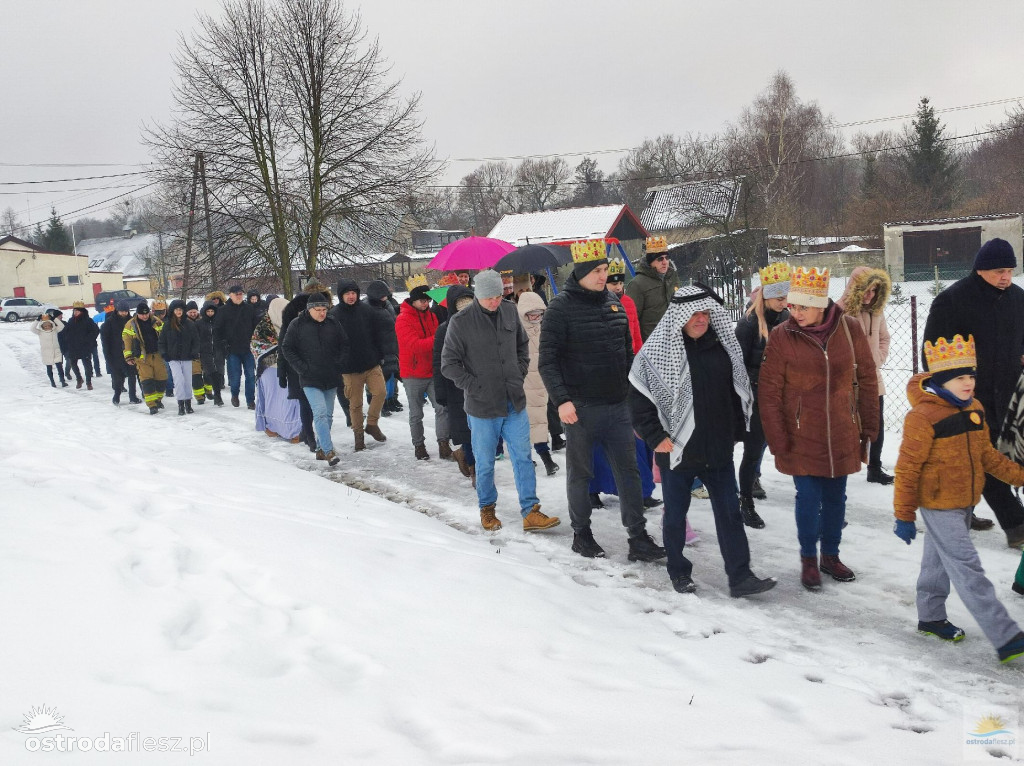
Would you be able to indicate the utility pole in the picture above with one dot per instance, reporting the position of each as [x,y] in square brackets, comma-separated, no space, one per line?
[185,285]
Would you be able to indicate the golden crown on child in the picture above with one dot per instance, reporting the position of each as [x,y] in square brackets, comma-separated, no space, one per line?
[950,354]
[591,250]
[416,281]
[616,267]
[774,273]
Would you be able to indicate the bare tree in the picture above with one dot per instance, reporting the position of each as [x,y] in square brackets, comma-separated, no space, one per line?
[540,183]
[301,127]
[10,223]
[486,194]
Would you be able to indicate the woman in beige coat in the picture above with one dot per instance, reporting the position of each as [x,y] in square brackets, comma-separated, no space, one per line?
[867,293]
[531,313]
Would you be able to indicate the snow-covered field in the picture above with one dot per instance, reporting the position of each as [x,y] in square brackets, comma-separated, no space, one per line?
[190,578]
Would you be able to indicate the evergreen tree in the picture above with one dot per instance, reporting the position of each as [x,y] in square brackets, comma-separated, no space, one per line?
[56,238]
[930,163]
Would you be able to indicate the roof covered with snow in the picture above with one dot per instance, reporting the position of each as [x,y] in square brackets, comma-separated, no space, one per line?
[127,255]
[559,225]
[694,203]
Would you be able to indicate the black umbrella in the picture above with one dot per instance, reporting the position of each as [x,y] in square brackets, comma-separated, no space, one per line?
[531,258]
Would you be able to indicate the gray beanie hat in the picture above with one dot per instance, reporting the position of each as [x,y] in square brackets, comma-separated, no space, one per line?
[488,284]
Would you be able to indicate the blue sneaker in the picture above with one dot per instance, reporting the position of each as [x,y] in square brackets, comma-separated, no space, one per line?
[1013,649]
[943,629]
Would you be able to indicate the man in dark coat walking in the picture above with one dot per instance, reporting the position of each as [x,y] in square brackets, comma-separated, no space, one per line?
[366,330]
[113,353]
[448,394]
[487,354]
[232,330]
[316,348]
[80,335]
[987,305]
[585,355]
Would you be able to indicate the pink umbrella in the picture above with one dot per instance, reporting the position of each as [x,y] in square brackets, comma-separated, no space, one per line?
[470,253]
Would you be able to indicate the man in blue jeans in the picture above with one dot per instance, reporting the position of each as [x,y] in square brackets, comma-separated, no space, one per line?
[487,354]
[690,401]
[232,330]
[316,348]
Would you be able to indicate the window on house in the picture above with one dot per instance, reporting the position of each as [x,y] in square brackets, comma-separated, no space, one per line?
[56,281]
[73,279]
[95,263]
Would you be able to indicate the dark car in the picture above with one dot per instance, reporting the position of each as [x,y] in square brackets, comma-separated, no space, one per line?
[111,297]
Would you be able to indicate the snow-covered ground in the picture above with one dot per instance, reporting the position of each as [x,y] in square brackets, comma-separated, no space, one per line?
[190,578]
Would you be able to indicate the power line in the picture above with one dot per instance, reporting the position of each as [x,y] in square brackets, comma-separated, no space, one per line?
[74,164]
[835,125]
[67,180]
[65,191]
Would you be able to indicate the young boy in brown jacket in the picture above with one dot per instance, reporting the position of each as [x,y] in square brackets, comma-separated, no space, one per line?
[941,469]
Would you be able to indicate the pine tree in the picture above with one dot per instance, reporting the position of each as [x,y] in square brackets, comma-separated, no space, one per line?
[56,238]
[930,163]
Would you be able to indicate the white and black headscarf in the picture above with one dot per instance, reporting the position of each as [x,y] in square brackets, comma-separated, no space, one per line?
[661,370]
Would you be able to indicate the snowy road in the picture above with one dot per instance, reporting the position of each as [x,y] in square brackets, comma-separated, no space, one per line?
[190,577]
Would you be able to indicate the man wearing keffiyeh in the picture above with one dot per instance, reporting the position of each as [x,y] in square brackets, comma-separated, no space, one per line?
[690,401]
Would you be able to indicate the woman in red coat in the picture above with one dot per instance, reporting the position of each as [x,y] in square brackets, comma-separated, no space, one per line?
[415,328]
[818,398]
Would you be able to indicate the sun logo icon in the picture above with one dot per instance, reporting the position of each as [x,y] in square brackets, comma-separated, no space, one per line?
[989,725]
[42,720]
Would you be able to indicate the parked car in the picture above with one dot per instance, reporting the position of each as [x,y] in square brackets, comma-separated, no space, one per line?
[13,309]
[111,297]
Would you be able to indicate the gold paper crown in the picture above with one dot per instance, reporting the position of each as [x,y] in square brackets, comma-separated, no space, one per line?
[616,267]
[448,280]
[950,354]
[809,281]
[159,302]
[591,250]
[774,273]
[78,305]
[417,280]
[656,245]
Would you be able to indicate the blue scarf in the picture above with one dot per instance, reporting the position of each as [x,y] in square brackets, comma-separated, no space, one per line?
[944,393]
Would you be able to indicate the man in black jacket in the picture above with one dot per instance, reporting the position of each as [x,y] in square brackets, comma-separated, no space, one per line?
[316,348]
[366,331]
[232,330]
[80,335]
[487,354]
[378,298]
[987,305]
[585,354]
[113,353]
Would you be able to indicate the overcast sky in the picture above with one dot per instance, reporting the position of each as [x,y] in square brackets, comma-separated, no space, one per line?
[498,79]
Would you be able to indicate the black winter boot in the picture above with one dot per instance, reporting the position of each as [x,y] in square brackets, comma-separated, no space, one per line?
[181,408]
[217,399]
[877,476]
[188,407]
[750,516]
[643,548]
[395,405]
[550,465]
[584,544]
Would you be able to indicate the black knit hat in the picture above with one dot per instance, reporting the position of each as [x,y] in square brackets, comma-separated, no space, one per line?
[191,305]
[318,299]
[943,377]
[419,293]
[995,254]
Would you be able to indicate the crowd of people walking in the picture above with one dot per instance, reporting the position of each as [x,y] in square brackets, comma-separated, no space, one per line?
[647,381]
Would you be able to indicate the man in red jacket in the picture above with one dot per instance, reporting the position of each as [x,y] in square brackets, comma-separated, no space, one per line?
[415,328]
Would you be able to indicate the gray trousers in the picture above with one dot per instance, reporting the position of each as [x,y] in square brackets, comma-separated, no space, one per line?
[414,390]
[609,426]
[950,556]
[181,374]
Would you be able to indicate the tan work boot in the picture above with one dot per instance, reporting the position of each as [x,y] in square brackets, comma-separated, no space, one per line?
[535,520]
[460,457]
[444,449]
[359,440]
[376,433]
[488,520]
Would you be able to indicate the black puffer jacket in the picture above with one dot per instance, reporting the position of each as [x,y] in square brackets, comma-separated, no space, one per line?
[259,307]
[445,391]
[317,351]
[585,347]
[113,345]
[995,318]
[205,328]
[752,344]
[365,328]
[181,342]
[233,326]
[80,334]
